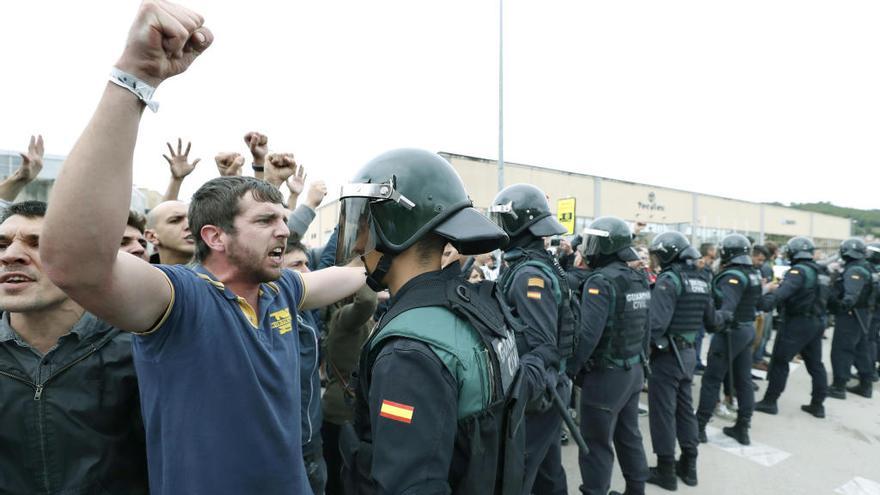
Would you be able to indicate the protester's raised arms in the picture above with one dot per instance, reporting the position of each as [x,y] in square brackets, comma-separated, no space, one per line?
[31,165]
[180,168]
[89,204]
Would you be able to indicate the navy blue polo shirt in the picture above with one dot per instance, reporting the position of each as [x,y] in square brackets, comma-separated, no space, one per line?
[220,389]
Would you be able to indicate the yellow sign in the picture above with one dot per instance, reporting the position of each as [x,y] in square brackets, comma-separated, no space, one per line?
[565,213]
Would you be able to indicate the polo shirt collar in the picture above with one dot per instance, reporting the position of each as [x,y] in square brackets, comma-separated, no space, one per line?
[203,273]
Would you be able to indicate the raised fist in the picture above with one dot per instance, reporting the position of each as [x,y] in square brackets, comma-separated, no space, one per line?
[163,41]
[258,144]
[280,166]
[32,161]
[180,165]
[229,164]
[316,194]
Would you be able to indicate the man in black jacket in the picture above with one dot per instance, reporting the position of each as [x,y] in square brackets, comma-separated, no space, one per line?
[72,420]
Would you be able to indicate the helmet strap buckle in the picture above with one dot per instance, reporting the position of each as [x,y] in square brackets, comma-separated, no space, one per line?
[374,278]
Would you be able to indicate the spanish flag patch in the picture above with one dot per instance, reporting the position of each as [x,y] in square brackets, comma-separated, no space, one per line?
[594,292]
[397,412]
[536,282]
[734,281]
[533,295]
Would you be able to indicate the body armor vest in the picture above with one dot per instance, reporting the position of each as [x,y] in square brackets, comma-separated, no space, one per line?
[750,278]
[623,339]
[694,294]
[465,327]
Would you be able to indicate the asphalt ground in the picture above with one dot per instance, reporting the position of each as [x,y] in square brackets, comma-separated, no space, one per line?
[791,453]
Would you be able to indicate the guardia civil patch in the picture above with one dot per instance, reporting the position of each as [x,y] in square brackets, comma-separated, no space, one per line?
[536,282]
[397,412]
[734,281]
[594,292]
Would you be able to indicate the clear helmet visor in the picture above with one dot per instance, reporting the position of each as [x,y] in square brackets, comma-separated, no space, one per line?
[355,237]
[592,240]
[502,215]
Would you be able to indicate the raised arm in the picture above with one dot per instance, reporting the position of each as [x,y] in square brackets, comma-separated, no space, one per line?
[31,164]
[180,168]
[89,204]
[279,166]
[259,145]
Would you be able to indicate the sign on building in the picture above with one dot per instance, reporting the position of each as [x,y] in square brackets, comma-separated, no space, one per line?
[565,213]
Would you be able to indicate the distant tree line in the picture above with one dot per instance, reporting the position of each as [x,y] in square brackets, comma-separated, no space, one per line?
[865,221]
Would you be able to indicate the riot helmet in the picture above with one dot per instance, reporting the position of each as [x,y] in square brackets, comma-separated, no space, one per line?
[735,249]
[523,209]
[401,196]
[607,238]
[670,246]
[799,248]
[853,249]
[873,250]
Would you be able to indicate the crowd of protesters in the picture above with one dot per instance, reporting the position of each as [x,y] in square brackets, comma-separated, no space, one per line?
[166,353]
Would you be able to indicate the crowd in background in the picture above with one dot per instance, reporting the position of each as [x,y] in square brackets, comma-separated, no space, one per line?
[56,276]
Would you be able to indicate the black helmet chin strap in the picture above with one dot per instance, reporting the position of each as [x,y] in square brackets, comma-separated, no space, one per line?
[374,278]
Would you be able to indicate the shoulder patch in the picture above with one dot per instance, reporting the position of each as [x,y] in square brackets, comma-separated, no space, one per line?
[536,282]
[855,277]
[734,281]
[593,291]
[794,271]
[533,295]
[397,412]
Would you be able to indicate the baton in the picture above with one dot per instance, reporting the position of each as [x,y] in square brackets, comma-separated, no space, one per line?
[677,355]
[855,312]
[730,361]
[566,418]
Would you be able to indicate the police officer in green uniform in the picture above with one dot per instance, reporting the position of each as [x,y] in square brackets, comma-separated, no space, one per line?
[536,290]
[801,298]
[854,293]
[610,358]
[681,303]
[437,409]
[737,289]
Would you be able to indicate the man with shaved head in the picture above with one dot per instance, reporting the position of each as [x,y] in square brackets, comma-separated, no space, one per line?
[168,232]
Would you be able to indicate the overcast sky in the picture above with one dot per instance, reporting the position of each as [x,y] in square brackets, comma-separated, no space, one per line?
[761,100]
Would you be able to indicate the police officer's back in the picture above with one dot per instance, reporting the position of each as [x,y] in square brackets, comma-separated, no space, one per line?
[610,357]
[852,298]
[681,304]
[737,289]
[801,299]
[874,335]
[536,289]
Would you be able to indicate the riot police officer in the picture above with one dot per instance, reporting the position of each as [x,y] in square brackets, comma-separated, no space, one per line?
[801,298]
[436,408]
[536,289]
[874,334]
[610,358]
[681,303]
[737,289]
[853,291]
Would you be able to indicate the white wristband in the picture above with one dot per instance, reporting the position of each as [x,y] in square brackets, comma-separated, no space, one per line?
[142,90]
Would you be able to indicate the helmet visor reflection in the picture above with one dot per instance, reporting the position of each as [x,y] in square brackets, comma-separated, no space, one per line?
[355,237]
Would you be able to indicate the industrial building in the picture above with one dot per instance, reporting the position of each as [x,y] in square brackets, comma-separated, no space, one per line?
[702,217]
